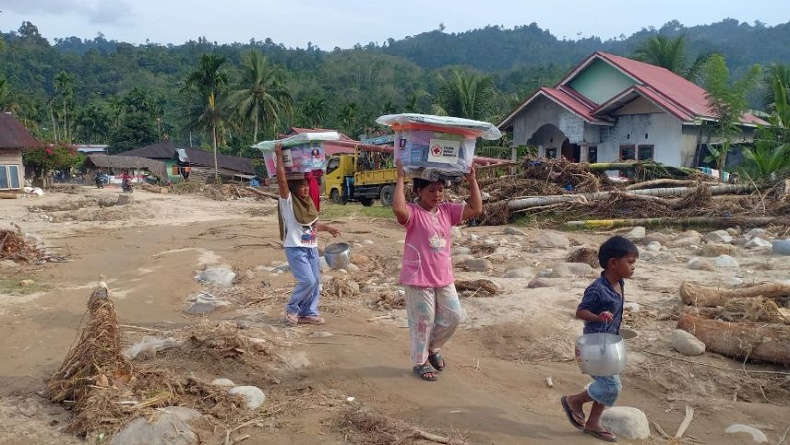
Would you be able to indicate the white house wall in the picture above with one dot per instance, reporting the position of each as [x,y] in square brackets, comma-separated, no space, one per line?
[663,131]
[543,111]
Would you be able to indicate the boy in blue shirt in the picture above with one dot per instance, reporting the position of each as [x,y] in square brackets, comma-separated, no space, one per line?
[601,309]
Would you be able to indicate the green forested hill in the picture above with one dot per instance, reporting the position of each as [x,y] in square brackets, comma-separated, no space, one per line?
[100,91]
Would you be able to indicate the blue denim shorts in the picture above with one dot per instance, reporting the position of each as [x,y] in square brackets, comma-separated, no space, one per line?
[605,390]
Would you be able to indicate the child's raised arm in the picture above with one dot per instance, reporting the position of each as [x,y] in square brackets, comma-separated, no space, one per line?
[474,205]
[399,207]
[282,180]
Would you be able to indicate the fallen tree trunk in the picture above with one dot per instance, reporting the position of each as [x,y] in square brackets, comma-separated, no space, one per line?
[664,183]
[755,341]
[742,309]
[702,220]
[153,188]
[261,192]
[518,204]
[696,295]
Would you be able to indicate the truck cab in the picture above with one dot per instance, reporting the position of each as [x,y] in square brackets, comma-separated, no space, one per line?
[363,176]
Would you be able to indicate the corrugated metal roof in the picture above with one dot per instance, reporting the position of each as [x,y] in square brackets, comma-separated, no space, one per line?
[14,135]
[167,150]
[116,161]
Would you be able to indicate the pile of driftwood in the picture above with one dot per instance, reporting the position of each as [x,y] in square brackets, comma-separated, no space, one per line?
[581,194]
[749,323]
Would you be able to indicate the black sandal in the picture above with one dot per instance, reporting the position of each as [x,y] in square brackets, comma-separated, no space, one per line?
[436,360]
[423,372]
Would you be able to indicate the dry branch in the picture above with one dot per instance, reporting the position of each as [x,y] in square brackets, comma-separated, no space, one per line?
[757,341]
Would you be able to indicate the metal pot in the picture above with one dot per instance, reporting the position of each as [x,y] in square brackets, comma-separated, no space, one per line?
[338,255]
[600,354]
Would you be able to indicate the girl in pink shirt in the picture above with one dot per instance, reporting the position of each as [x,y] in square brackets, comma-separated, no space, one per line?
[432,304]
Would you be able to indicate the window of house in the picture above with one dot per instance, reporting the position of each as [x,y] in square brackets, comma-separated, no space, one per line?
[645,152]
[9,177]
[628,152]
[592,154]
[551,153]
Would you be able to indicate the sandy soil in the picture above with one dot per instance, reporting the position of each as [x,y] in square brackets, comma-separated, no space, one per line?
[493,392]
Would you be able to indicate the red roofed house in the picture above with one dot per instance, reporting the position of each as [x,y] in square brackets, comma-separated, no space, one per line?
[14,138]
[611,107]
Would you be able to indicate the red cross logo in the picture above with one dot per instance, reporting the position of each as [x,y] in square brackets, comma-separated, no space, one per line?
[436,150]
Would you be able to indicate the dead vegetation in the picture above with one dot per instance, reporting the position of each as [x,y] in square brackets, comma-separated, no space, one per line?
[14,246]
[105,390]
[361,426]
[548,178]
[477,288]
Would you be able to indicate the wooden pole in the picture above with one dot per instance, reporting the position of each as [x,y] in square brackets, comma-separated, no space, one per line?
[701,220]
[518,204]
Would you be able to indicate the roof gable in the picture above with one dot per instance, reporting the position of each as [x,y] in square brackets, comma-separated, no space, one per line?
[14,135]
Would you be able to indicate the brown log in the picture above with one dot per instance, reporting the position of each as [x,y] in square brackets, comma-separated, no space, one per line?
[697,295]
[756,341]
[152,188]
[742,309]
[8,195]
[262,193]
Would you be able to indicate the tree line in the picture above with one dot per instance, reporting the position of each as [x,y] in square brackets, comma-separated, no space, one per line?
[227,97]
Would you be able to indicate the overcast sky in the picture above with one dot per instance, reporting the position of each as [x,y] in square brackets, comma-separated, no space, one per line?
[343,23]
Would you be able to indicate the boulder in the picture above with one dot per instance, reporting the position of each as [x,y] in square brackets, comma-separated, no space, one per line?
[225,383]
[462,250]
[653,246]
[170,427]
[718,237]
[219,276]
[686,343]
[204,303]
[478,265]
[513,231]
[725,261]
[560,271]
[781,246]
[551,240]
[757,243]
[712,249]
[636,234]
[697,263]
[580,269]
[521,272]
[540,282]
[252,395]
[626,421]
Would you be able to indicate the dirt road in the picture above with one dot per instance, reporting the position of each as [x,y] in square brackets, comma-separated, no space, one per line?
[493,392]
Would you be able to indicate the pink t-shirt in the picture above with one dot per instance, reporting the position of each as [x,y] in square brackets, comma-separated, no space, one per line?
[427,259]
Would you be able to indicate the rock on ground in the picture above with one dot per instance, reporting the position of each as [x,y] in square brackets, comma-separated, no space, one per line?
[551,240]
[478,265]
[252,394]
[626,421]
[697,263]
[725,261]
[540,282]
[171,427]
[220,276]
[687,344]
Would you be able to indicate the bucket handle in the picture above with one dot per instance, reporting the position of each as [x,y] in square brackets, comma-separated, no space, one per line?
[326,243]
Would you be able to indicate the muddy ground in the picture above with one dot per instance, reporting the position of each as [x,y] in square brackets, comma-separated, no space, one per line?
[494,391]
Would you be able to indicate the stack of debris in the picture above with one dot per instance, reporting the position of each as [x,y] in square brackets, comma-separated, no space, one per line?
[750,323]
[565,191]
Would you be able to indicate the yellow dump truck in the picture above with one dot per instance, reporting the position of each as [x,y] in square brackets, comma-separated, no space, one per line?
[363,176]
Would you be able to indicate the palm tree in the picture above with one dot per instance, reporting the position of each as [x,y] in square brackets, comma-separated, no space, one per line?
[777,78]
[467,95]
[670,53]
[262,94]
[727,100]
[64,84]
[208,81]
[313,111]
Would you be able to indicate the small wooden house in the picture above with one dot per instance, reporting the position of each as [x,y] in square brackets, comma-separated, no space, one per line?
[14,139]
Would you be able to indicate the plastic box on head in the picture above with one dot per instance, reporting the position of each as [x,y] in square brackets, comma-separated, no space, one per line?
[302,153]
[436,147]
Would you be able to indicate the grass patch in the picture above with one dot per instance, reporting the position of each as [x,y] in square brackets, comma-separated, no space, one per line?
[15,286]
[337,211]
